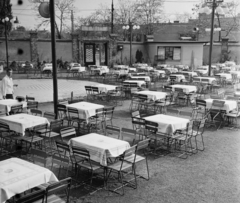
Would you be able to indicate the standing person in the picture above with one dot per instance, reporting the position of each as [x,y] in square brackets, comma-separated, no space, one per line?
[7,85]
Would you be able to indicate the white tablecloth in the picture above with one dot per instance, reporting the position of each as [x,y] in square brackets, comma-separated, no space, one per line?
[226,75]
[168,124]
[171,70]
[139,82]
[105,88]
[160,72]
[228,106]
[79,69]
[17,176]
[153,95]
[147,78]
[179,78]
[206,80]
[138,74]
[20,122]
[237,94]
[6,104]
[100,147]
[236,72]
[86,109]
[188,73]
[186,88]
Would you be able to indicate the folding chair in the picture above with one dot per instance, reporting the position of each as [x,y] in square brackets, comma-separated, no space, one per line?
[31,99]
[97,120]
[62,112]
[88,92]
[85,161]
[5,135]
[108,115]
[121,167]
[36,112]
[151,129]
[198,132]
[172,111]
[172,79]
[138,124]
[52,191]
[73,117]
[140,155]
[186,114]
[37,196]
[161,106]
[134,102]
[32,105]
[200,109]
[64,102]
[38,156]
[67,132]
[216,113]
[49,115]
[127,133]
[32,138]
[16,109]
[113,131]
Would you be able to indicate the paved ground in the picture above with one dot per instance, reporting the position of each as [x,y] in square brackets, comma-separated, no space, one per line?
[42,89]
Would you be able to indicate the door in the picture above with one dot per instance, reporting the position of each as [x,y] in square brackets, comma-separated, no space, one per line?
[89,54]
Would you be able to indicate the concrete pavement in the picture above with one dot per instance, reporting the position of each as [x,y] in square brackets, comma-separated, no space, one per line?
[42,89]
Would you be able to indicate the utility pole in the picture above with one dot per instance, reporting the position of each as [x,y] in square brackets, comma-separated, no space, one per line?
[112,18]
[72,21]
[54,61]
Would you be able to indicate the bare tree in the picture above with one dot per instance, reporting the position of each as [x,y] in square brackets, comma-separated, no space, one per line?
[229,21]
[63,16]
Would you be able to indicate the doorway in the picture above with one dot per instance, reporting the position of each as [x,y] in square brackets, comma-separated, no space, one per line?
[96,54]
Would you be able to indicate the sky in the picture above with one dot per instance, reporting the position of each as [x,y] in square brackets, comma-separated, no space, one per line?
[27,17]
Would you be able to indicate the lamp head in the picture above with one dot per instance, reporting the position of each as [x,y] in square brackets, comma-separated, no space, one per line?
[195,29]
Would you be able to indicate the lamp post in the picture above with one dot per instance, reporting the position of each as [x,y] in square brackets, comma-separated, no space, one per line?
[214,4]
[6,22]
[130,27]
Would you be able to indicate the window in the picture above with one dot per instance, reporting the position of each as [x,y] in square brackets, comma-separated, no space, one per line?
[169,53]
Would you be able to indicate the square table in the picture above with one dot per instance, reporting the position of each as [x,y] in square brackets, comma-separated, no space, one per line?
[139,82]
[146,78]
[153,95]
[6,104]
[186,88]
[206,80]
[100,147]
[20,122]
[179,78]
[168,124]
[17,176]
[171,70]
[105,88]
[85,109]
[225,75]
[228,106]
[192,74]
[236,72]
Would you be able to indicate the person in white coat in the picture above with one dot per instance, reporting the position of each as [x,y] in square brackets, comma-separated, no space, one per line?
[7,85]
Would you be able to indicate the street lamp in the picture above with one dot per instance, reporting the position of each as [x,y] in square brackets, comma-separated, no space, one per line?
[214,4]
[130,27]
[6,21]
